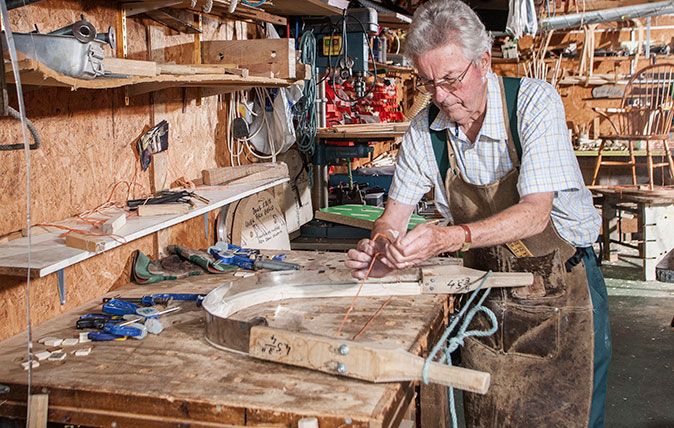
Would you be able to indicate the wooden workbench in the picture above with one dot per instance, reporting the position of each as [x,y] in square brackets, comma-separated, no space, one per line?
[177,378]
[654,211]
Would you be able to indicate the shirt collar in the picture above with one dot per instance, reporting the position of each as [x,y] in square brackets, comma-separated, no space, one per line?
[493,126]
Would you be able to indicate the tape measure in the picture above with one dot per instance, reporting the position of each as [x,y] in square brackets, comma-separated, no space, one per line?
[519,249]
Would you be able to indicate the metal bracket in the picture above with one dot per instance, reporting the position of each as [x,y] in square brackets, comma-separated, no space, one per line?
[61,286]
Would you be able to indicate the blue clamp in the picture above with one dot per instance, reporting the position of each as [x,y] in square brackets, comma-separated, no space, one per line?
[119,307]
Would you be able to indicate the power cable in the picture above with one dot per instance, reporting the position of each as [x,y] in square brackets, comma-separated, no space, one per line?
[306,122]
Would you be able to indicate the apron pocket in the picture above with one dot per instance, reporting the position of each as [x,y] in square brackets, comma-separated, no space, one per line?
[548,276]
[531,331]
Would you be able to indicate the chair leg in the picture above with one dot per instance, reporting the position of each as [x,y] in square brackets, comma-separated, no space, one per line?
[650,164]
[597,165]
[633,159]
[669,158]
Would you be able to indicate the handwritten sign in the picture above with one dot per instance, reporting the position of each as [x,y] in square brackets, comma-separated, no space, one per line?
[259,223]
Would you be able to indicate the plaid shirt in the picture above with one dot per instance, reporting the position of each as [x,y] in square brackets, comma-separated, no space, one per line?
[548,161]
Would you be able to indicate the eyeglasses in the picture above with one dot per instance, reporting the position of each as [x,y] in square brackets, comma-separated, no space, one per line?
[446,84]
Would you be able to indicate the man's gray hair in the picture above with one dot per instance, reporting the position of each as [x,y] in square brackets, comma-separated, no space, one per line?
[440,22]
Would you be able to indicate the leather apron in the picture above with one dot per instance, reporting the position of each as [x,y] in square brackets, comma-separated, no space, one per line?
[541,357]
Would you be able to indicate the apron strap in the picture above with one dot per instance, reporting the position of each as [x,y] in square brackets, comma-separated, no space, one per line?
[510,87]
[439,143]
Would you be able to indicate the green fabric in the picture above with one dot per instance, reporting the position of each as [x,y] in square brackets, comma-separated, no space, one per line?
[511,85]
[439,138]
[367,212]
[439,142]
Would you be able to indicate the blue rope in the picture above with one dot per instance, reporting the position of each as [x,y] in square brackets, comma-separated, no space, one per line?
[456,341]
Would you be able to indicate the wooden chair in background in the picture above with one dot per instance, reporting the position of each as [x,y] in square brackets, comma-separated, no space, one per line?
[645,114]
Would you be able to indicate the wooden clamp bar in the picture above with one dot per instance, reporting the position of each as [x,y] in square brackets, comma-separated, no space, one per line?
[370,362]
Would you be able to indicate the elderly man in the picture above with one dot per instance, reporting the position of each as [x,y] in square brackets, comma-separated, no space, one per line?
[498,155]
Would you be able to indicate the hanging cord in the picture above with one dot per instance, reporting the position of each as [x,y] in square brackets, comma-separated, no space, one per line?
[26,152]
[448,345]
[306,122]
[33,131]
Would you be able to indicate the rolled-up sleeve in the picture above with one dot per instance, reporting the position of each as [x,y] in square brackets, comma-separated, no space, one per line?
[411,181]
[548,161]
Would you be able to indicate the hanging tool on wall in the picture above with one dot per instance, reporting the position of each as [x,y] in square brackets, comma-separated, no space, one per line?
[153,141]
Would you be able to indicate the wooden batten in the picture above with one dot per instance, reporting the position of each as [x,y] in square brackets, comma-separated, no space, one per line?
[90,243]
[260,56]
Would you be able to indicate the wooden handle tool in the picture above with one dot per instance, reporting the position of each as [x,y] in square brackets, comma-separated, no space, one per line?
[366,361]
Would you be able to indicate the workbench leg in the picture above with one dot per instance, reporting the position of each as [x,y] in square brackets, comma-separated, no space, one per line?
[657,235]
[607,214]
[433,406]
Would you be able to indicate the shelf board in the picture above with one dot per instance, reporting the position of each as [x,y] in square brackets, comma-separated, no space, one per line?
[391,68]
[37,74]
[50,254]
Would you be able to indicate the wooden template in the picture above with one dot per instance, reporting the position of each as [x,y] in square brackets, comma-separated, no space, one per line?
[373,362]
[257,222]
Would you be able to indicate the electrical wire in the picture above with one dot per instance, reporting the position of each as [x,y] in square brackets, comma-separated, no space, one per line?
[26,151]
[306,122]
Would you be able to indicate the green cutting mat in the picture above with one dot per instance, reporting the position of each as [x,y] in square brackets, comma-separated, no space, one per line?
[362,216]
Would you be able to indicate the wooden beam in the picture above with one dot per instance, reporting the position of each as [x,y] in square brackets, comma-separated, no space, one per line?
[130,67]
[163,209]
[38,410]
[241,173]
[114,224]
[370,362]
[259,56]
[91,243]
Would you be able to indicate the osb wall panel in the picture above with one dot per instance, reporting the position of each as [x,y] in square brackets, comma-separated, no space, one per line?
[88,142]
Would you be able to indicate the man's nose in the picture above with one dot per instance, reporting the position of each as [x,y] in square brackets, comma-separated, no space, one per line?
[440,95]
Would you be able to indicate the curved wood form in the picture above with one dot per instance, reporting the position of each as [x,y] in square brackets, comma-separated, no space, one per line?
[274,286]
[372,362]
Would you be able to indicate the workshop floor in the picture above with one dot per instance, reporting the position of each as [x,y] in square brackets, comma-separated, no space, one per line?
[641,375]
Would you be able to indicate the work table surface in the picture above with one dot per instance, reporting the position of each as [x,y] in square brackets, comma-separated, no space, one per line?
[178,378]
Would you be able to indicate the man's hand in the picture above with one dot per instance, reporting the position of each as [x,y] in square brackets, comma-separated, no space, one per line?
[422,243]
[360,258]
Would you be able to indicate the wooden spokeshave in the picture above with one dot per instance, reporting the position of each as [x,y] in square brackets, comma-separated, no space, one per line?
[374,362]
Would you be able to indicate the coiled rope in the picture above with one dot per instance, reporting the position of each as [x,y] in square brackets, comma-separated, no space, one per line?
[449,345]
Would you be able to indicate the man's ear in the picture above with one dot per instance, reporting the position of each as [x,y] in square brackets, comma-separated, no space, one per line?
[485,63]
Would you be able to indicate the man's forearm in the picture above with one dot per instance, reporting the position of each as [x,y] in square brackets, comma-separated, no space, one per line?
[517,222]
[395,218]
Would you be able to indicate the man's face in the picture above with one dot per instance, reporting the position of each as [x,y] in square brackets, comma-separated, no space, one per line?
[466,100]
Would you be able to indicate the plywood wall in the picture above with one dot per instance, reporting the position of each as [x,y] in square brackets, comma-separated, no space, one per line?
[88,138]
